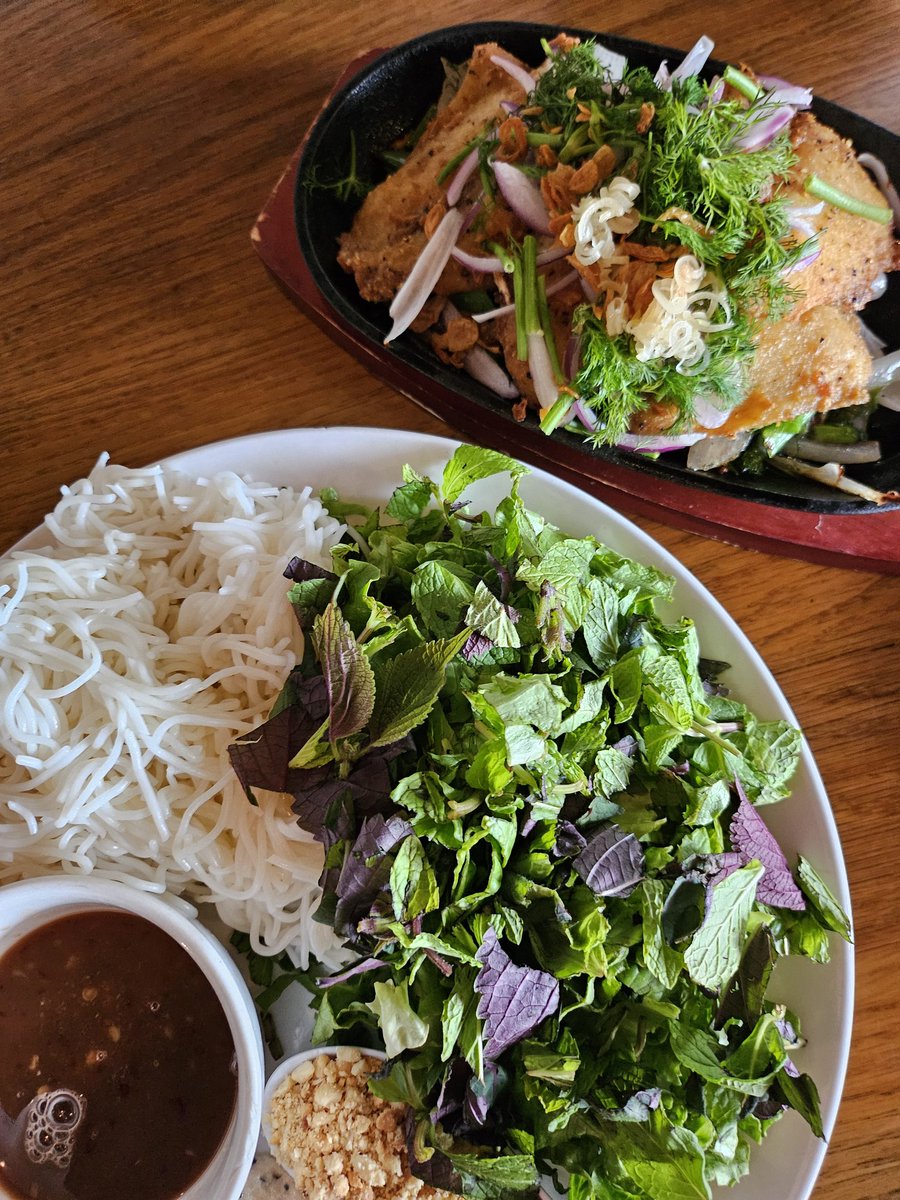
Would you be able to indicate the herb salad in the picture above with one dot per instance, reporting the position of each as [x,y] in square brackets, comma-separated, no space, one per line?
[545,850]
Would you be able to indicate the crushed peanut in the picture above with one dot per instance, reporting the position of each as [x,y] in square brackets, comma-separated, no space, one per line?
[338,1140]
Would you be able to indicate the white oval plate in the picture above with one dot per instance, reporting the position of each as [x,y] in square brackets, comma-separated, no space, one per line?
[366,464]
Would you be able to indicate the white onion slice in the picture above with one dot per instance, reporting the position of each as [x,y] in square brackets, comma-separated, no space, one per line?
[419,284]
[614,64]
[715,452]
[657,443]
[545,386]
[485,369]
[694,61]
[874,344]
[831,474]
[461,177]
[523,78]
[885,370]
[810,450]
[879,170]
[523,196]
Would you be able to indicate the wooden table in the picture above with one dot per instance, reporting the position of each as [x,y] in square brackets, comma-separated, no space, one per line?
[138,144]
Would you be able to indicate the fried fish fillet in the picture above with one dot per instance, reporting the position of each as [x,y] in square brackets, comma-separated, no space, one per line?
[806,363]
[855,251]
[388,231]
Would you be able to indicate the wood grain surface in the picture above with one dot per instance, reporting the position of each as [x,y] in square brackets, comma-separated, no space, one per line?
[137,144]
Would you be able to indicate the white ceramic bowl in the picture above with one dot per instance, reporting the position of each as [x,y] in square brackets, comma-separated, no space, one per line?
[28,905]
[289,1064]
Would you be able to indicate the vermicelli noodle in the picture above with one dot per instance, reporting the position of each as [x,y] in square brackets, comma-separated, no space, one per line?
[133,651]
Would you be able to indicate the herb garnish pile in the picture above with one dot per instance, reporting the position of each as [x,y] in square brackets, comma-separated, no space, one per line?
[544,850]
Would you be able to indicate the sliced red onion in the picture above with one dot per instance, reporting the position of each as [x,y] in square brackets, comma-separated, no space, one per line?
[545,386]
[581,411]
[474,210]
[808,258]
[694,61]
[657,443]
[506,309]
[487,265]
[810,450]
[614,64]
[479,263]
[804,210]
[523,78]
[889,397]
[885,370]
[523,196]
[879,170]
[485,369]
[419,284]
[709,414]
[571,363]
[801,225]
[589,290]
[510,106]
[716,91]
[663,77]
[767,127]
[492,314]
[461,177]
[715,452]
[782,92]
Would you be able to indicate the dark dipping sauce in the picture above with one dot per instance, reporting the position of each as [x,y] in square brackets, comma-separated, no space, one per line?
[109,1007]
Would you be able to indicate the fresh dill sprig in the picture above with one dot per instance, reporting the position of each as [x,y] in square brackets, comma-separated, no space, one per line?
[618,385]
[346,187]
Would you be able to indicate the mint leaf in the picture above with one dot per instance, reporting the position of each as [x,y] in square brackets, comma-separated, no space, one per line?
[349,682]
[414,889]
[407,686]
[471,463]
[440,594]
[715,950]
[825,903]
[490,617]
[526,699]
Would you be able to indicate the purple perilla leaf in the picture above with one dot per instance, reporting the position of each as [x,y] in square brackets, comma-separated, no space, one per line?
[367,869]
[481,1094]
[367,788]
[569,841]
[349,681]
[751,838]
[262,758]
[359,968]
[476,645]
[312,589]
[612,863]
[513,1000]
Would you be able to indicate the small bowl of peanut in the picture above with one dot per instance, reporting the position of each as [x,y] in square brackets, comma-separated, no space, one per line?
[332,1135]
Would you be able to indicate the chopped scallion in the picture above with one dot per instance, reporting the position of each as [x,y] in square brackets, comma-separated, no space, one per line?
[831,195]
[742,83]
